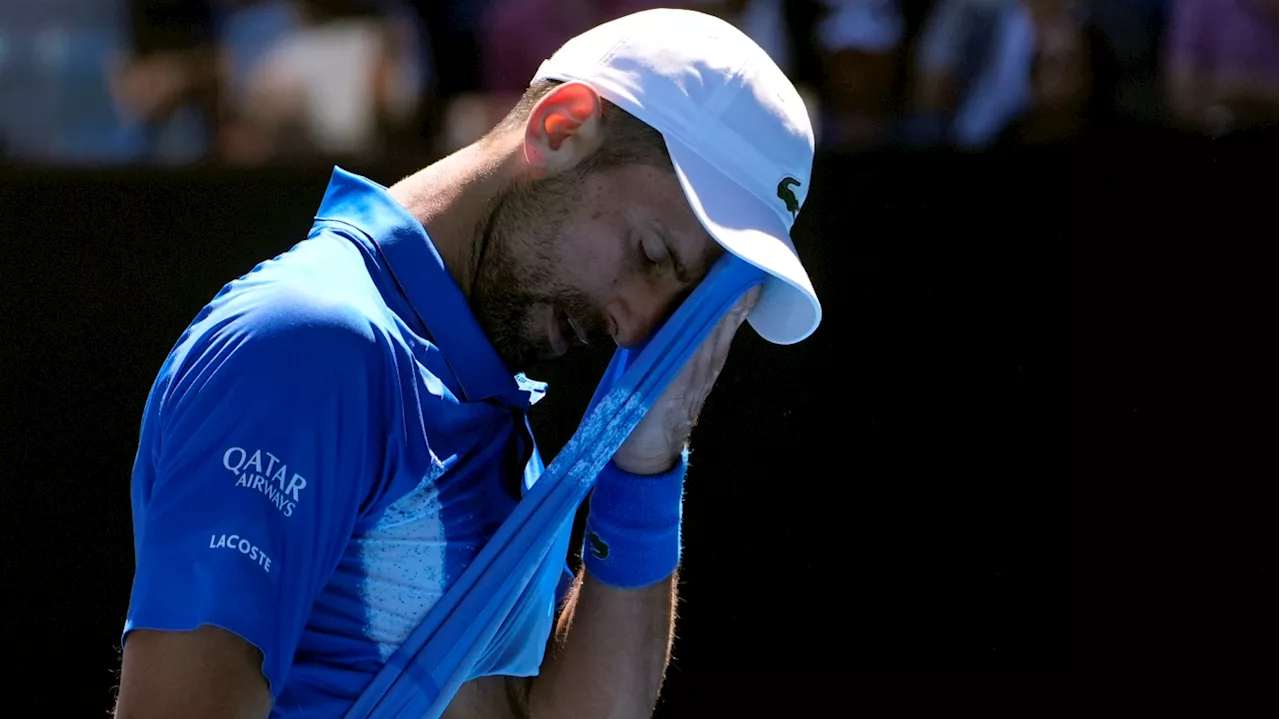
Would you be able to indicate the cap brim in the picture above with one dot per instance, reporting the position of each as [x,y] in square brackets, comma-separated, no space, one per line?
[788,310]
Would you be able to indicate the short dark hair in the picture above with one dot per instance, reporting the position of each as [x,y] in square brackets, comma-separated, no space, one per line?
[626,139]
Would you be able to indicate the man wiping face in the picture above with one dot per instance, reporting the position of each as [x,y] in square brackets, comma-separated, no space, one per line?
[604,244]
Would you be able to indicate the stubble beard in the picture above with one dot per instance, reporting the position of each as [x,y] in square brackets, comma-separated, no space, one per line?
[515,271]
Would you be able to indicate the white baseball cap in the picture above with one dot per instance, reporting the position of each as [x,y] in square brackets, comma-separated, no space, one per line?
[737,132]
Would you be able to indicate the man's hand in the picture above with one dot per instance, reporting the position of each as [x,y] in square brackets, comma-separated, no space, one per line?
[655,444]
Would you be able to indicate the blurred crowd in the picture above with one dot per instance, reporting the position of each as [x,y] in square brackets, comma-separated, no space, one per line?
[269,82]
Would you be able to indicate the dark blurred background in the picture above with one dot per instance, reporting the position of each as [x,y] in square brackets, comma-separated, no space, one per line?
[1034,226]
[252,83]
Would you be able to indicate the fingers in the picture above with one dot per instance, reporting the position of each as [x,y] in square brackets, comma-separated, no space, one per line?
[706,364]
[749,299]
[718,342]
[688,391]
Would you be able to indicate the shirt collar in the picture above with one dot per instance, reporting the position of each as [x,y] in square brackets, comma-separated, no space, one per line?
[426,283]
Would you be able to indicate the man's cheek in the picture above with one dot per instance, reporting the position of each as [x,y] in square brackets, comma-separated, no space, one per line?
[593,267]
[533,331]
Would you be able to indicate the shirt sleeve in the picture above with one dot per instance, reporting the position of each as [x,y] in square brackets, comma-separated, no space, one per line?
[261,449]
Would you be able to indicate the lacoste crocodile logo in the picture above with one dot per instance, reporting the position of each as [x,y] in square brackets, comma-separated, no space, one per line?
[786,195]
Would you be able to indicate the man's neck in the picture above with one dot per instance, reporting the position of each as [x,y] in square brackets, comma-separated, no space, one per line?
[452,198]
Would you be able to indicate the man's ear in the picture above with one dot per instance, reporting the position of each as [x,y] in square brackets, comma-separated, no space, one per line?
[562,129]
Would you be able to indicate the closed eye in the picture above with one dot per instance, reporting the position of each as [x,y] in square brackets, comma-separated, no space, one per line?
[654,252]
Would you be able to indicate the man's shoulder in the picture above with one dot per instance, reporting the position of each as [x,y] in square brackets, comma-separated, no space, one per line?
[319,291]
[288,320]
[274,318]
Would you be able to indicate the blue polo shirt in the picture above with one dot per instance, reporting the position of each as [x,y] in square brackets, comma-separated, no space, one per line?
[329,444]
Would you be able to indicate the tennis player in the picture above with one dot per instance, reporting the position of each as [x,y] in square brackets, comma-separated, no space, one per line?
[338,432]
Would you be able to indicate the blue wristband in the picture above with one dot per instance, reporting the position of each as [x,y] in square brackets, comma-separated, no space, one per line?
[633,526]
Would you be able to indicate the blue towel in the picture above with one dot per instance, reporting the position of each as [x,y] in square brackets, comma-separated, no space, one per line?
[422,677]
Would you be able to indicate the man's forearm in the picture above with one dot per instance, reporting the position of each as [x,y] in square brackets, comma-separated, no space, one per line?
[610,652]
[612,644]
